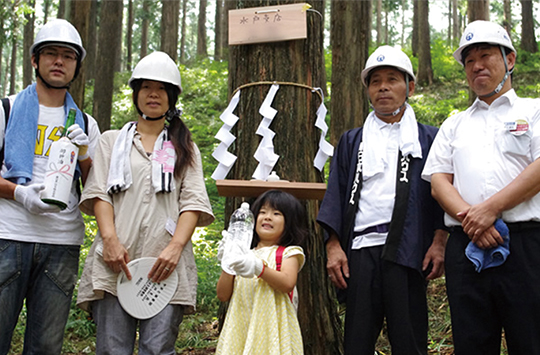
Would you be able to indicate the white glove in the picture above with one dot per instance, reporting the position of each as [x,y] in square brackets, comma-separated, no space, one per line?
[248,265]
[80,139]
[221,244]
[29,197]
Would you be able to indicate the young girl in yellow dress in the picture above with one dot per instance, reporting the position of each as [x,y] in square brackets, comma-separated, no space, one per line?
[261,318]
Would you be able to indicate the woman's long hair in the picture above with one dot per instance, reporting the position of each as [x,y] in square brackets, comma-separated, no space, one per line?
[178,132]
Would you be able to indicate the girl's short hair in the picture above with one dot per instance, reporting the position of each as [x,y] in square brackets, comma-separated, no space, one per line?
[295,231]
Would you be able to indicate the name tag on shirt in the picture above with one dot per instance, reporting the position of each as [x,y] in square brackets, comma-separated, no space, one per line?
[517,127]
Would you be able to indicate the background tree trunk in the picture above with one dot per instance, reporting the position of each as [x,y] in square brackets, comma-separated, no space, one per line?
[455,23]
[507,8]
[169,27]
[80,16]
[349,39]
[129,35]
[202,51]
[144,28]
[415,29]
[110,37]
[298,61]
[379,23]
[425,71]
[46,10]
[219,25]
[183,32]
[91,45]
[13,66]
[61,9]
[528,38]
[28,39]
[478,10]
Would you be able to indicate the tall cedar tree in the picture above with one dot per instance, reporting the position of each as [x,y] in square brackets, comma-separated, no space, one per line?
[297,61]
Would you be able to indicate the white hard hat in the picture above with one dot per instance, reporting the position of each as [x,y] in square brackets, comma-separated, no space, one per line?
[157,66]
[389,57]
[59,32]
[483,32]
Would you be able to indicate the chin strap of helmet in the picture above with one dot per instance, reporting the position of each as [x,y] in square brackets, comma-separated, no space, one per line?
[506,75]
[400,108]
[49,86]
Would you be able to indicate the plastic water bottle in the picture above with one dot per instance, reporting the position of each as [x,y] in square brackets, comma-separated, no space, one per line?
[241,234]
[61,168]
[241,227]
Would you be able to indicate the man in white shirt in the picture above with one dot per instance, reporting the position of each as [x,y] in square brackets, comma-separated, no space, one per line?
[39,244]
[484,171]
[384,229]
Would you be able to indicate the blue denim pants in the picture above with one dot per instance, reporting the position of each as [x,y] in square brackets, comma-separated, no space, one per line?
[45,275]
[117,330]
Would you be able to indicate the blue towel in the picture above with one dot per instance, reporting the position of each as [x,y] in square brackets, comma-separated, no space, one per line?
[486,258]
[20,137]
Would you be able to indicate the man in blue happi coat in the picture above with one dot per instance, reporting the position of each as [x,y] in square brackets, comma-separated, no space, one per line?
[384,230]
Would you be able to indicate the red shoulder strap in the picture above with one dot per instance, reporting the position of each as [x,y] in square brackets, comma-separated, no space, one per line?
[279,257]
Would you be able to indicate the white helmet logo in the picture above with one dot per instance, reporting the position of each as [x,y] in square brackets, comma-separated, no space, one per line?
[470,36]
[380,58]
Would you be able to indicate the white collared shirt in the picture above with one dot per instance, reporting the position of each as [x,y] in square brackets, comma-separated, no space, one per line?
[378,193]
[487,147]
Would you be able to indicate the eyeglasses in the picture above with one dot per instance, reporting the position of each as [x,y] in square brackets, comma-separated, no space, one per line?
[52,54]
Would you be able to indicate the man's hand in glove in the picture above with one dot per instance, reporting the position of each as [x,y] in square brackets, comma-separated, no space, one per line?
[29,197]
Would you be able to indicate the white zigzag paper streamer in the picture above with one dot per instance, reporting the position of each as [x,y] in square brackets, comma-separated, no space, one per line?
[265,151]
[325,149]
[224,158]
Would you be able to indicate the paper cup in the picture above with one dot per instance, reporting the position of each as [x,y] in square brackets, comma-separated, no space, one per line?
[140,297]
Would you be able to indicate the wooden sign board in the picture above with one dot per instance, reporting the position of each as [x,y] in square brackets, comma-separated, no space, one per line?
[268,24]
[253,188]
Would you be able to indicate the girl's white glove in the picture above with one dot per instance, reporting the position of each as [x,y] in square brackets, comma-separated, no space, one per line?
[29,197]
[80,139]
[221,244]
[248,265]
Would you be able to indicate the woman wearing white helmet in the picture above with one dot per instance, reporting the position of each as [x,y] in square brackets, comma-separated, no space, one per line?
[147,191]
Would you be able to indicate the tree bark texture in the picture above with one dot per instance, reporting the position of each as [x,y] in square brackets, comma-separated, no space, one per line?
[478,10]
[455,23]
[296,142]
[129,35]
[218,30]
[110,37]
[415,29]
[144,29]
[507,7]
[202,50]
[13,66]
[28,39]
[80,16]
[425,71]
[169,27]
[528,38]
[379,23]
[183,32]
[349,36]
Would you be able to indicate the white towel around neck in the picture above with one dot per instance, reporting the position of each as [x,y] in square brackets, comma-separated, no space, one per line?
[163,160]
[374,155]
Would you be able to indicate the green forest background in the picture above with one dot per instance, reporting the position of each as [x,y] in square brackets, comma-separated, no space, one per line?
[205,96]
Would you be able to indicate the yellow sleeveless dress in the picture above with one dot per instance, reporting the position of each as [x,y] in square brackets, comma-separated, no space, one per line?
[261,320]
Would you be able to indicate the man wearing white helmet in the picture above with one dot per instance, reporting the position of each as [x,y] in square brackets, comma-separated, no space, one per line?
[39,244]
[485,173]
[384,236]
